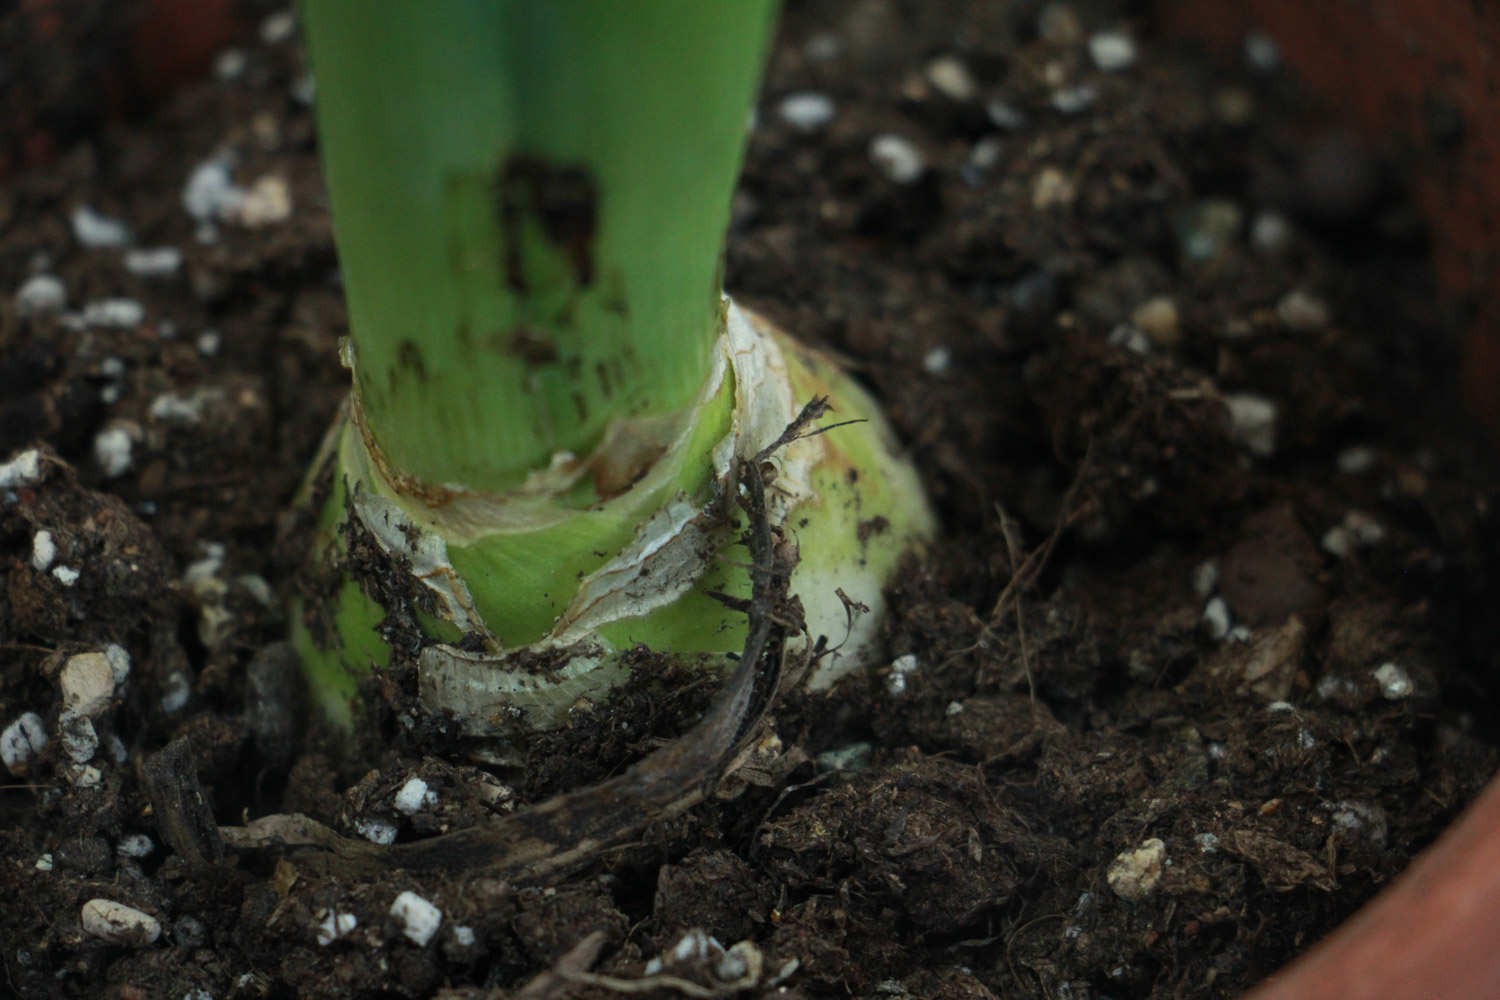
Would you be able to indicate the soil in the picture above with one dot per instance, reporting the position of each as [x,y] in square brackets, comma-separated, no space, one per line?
[1204,656]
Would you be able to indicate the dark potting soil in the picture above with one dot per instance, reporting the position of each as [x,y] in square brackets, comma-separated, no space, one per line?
[1204,656]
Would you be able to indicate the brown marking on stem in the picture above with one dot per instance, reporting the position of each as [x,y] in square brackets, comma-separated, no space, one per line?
[564,200]
[532,345]
[409,357]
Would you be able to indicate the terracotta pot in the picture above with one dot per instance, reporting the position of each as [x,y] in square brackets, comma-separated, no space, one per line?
[1421,80]
[73,65]
[1434,934]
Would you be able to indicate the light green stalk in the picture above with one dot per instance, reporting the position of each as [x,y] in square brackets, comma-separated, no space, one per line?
[530,198]
[530,201]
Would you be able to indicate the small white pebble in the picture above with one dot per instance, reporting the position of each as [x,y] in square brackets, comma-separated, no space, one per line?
[65,575]
[153,262]
[21,742]
[41,293]
[43,550]
[97,231]
[135,845]
[1205,577]
[1338,542]
[1280,706]
[692,945]
[1252,423]
[1302,312]
[1075,99]
[210,193]
[43,863]
[335,926]
[268,201]
[1128,336]
[951,78]
[208,343]
[84,776]
[175,692]
[463,936]
[1216,618]
[1112,51]
[22,470]
[87,684]
[1261,51]
[278,27]
[1395,683]
[229,64]
[897,158]
[1356,460]
[806,111]
[119,924]
[1158,319]
[1005,116]
[954,708]
[112,447]
[1357,530]
[1331,686]
[937,361]
[1134,875]
[257,587]
[986,152]
[119,662]
[1208,843]
[1365,529]
[412,796]
[116,749]
[170,406]
[1239,633]
[418,918]
[305,89]
[112,367]
[117,313]
[1051,187]
[202,574]
[77,736]
[376,831]
[1364,819]
[732,965]
[901,666]
[1270,232]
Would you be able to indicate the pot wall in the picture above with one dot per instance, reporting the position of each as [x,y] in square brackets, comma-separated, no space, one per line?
[1421,78]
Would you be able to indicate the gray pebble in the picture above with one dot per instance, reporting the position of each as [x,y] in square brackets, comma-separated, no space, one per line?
[41,293]
[1112,51]
[21,742]
[98,231]
[897,158]
[806,111]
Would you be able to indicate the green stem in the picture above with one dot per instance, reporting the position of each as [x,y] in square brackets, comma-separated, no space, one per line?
[530,202]
[551,398]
